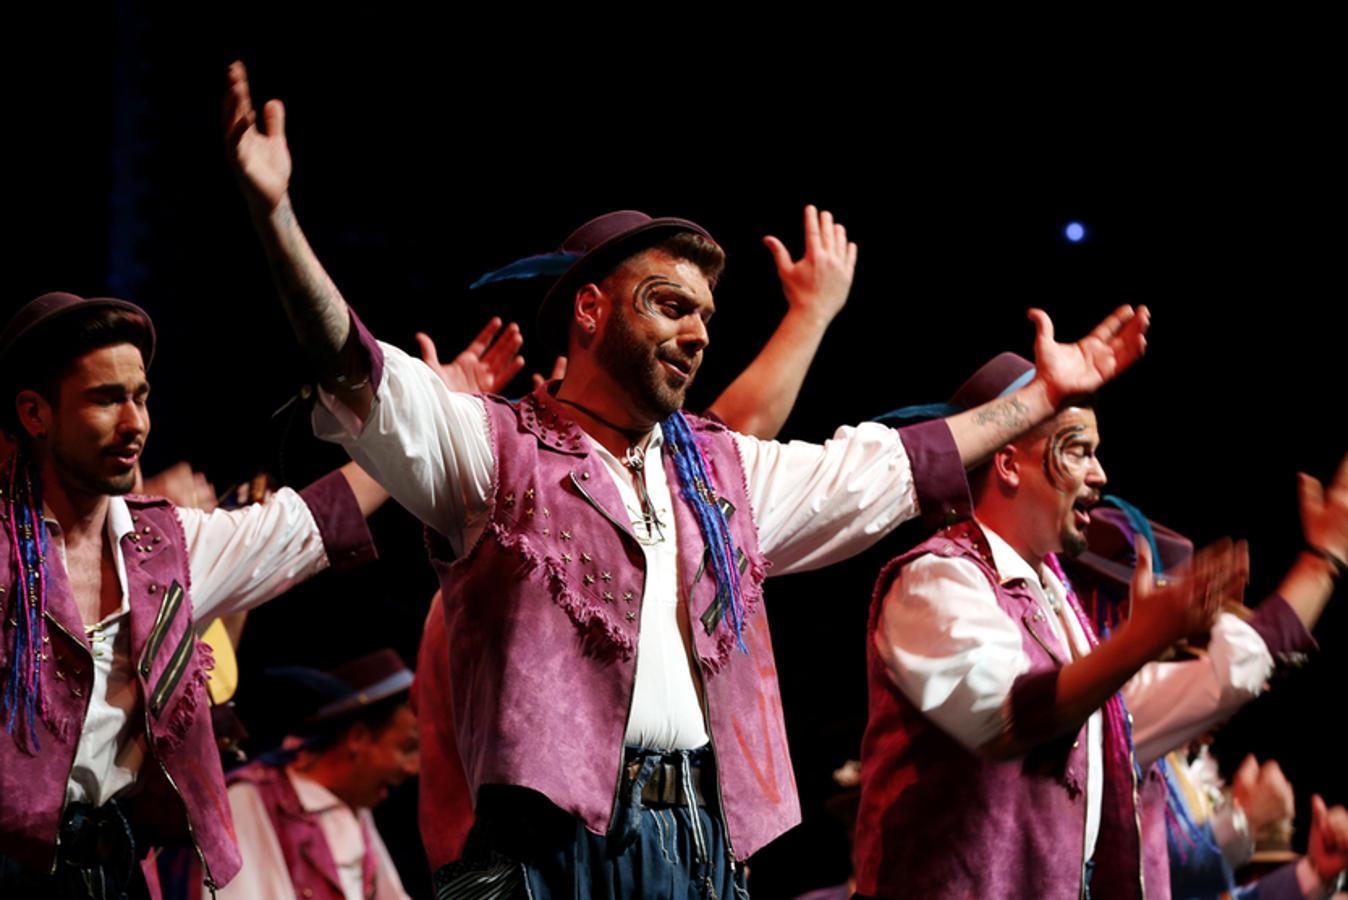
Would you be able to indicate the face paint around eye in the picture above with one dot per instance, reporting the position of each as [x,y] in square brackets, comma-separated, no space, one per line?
[645,296]
[1063,459]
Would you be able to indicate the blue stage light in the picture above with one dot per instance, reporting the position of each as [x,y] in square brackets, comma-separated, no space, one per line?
[1075,231]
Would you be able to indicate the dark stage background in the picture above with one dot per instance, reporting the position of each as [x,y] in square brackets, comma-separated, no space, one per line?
[425,157]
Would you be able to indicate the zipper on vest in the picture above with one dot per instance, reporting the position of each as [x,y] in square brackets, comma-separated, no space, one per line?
[1086,809]
[174,673]
[711,735]
[1137,815]
[65,796]
[622,744]
[168,610]
[208,880]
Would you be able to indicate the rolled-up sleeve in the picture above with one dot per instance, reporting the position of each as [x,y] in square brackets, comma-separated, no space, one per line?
[950,649]
[1173,702]
[816,504]
[428,447]
[239,558]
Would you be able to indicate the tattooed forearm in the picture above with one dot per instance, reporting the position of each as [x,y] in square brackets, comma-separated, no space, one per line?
[1008,414]
[315,307]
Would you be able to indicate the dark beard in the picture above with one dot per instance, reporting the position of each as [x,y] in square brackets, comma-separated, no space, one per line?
[633,364]
[1073,544]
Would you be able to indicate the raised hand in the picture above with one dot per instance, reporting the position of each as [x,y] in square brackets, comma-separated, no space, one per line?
[1173,608]
[261,157]
[1263,793]
[485,366]
[1083,367]
[1328,845]
[818,282]
[1324,514]
[557,374]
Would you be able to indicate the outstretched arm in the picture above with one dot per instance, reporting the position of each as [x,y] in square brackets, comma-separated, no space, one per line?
[816,286]
[315,307]
[957,655]
[1324,522]
[1061,371]
[1162,615]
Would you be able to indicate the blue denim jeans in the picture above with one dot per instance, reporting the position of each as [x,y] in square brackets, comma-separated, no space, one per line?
[523,846]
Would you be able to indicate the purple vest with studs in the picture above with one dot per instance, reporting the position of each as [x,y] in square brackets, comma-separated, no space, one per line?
[937,820]
[543,612]
[180,794]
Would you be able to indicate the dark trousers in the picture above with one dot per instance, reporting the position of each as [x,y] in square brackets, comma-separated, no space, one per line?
[97,860]
[664,848]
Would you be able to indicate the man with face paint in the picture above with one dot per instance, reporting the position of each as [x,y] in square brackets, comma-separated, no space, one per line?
[998,756]
[614,691]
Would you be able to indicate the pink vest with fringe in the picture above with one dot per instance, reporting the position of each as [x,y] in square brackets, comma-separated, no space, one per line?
[180,792]
[542,616]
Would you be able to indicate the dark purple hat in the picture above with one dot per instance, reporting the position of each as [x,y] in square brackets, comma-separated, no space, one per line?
[1108,562]
[36,315]
[361,682]
[597,246]
[993,379]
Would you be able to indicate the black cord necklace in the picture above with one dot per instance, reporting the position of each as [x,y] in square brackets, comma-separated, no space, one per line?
[634,460]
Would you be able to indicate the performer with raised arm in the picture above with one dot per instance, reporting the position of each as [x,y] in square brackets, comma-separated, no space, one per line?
[756,403]
[999,755]
[612,671]
[108,750]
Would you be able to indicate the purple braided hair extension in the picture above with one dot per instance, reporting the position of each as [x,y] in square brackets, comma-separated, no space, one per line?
[23,699]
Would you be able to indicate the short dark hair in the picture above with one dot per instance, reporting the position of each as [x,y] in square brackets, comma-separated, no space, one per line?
[376,716]
[47,354]
[707,255]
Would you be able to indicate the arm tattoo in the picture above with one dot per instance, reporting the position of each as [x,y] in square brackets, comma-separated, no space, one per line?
[1008,414]
[316,309]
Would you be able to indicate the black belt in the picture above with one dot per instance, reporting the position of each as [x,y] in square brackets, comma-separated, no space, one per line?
[666,786]
[97,835]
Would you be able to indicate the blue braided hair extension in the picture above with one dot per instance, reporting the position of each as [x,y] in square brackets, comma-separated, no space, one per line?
[22,699]
[696,487]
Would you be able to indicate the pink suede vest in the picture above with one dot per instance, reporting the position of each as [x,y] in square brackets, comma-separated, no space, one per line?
[542,617]
[313,872]
[180,795]
[939,821]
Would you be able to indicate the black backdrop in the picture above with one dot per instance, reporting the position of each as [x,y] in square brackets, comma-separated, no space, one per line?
[428,152]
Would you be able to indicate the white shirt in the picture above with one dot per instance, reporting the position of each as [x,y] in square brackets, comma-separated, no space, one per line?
[265,876]
[955,654]
[237,559]
[813,504]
